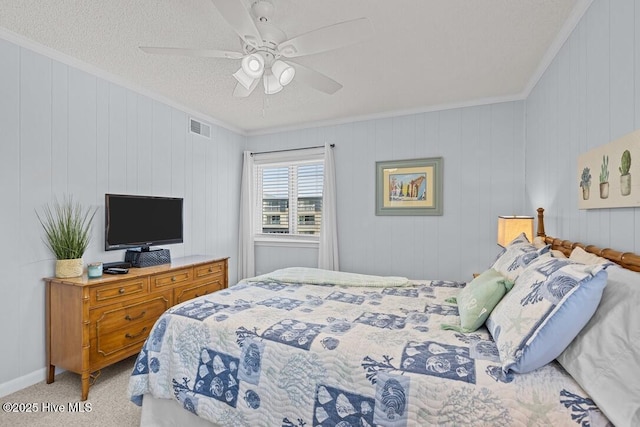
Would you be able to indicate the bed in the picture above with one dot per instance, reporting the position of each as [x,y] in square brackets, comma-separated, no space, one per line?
[307,347]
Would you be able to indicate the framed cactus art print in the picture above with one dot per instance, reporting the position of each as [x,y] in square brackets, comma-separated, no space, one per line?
[605,174]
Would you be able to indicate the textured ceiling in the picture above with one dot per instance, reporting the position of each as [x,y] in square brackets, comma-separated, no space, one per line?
[423,55]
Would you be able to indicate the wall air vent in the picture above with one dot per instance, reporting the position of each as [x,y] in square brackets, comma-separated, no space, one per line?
[199,128]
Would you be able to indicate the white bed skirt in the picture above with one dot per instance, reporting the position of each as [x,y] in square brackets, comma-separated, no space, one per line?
[168,413]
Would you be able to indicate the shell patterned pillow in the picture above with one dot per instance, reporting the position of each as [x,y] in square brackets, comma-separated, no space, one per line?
[550,302]
[515,257]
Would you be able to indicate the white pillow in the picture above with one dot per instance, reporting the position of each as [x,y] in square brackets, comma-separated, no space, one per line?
[605,356]
[580,255]
[538,242]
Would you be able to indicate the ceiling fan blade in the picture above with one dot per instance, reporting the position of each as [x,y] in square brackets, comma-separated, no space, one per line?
[242,92]
[235,13]
[327,38]
[207,53]
[315,79]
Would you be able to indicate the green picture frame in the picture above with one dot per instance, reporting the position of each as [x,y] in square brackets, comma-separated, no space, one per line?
[409,187]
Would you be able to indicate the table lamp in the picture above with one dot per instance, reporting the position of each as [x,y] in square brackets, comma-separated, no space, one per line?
[510,227]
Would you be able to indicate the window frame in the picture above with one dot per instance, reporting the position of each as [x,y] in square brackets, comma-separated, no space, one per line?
[283,159]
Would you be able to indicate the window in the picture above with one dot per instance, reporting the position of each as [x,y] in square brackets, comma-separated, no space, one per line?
[289,194]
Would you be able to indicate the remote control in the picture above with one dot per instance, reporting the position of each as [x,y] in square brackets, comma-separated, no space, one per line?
[115,270]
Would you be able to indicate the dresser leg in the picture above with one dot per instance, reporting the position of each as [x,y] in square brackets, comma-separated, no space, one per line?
[51,374]
[85,385]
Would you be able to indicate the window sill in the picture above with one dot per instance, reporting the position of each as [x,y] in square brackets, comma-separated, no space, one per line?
[288,241]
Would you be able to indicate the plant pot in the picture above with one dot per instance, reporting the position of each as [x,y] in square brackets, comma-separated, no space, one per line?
[604,190]
[585,193]
[625,184]
[66,268]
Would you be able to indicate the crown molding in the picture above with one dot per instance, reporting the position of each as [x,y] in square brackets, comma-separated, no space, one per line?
[388,114]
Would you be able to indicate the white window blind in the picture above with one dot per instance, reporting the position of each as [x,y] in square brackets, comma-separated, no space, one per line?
[289,196]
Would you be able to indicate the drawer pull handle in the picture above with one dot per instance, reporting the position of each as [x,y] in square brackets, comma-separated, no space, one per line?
[127,317]
[121,291]
[173,279]
[210,269]
[128,335]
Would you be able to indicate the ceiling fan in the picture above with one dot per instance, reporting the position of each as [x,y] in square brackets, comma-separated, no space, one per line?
[264,46]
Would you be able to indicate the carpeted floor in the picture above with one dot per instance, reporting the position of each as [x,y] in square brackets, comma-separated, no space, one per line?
[109,405]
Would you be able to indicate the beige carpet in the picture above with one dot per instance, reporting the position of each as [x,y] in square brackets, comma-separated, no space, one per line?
[110,405]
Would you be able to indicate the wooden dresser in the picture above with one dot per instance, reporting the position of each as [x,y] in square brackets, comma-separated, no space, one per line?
[93,323]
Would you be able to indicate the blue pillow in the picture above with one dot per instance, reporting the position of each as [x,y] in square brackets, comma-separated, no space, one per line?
[551,301]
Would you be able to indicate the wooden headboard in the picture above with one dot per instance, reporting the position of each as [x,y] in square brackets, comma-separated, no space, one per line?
[628,260]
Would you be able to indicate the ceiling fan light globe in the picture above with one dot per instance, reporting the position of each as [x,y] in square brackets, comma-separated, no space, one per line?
[242,78]
[253,65]
[283,72]
[271,84]
[287,76]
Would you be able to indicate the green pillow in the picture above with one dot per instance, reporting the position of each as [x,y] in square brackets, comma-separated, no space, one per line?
[477,300]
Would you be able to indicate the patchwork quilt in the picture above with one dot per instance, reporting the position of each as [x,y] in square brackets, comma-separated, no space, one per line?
[276,351]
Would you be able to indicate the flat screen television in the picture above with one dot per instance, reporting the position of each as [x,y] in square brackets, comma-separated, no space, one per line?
[141,221]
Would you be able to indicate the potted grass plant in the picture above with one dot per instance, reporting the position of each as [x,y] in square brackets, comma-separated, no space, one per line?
[67,227]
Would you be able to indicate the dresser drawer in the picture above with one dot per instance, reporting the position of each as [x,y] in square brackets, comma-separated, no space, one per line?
[120,341]
[207,271]
[172,279]
[189,292]
[119,291]
[118,316]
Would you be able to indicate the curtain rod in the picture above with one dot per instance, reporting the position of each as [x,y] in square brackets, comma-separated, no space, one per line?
[292,149]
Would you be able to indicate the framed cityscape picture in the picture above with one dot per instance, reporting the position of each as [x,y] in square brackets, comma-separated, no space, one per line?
[409,187]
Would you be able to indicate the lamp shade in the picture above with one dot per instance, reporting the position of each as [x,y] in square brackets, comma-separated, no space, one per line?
[510,227]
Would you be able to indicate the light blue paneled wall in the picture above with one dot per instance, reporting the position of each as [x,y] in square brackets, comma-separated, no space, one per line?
[589,96]
[65,131]
[483,151]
